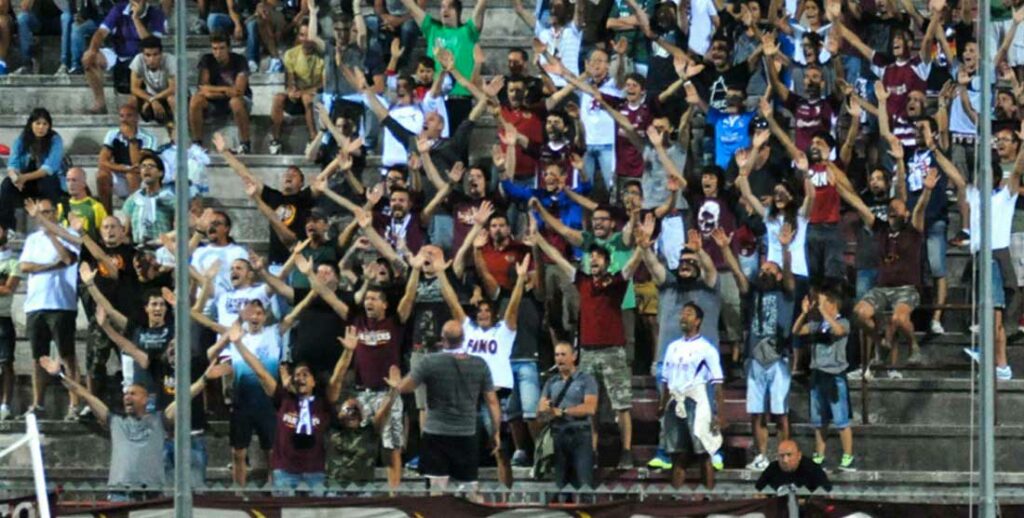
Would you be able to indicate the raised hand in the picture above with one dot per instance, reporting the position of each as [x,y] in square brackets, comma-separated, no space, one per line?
[169,296]
[721,239]
[786,234]
[394,377]
[483,213]
[364,218]
[213,269]
[375,194]
[445,58]
[895,147]
[304,265]
[417,261]
[87,274]
[694,240]
[523,267]
[51,366]
[494,86]
[931,179]
[396,47]
[480,240]
[351,339]
[802,164]
[881,92]
[235,332]
[764,107]
[621,46]
[76,222]
[654,136]
[456,172]
[31,207]
[218,370]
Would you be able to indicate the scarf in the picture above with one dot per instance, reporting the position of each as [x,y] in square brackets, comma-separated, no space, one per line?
[305,424]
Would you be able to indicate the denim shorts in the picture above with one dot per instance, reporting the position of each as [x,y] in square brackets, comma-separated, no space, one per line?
[772,381]
[866,279]
[936,247]
[287,480]
[830,400]
[522,404]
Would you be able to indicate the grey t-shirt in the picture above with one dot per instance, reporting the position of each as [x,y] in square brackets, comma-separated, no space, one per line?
[137,450]
[157,80]
[583,385]
[455,383]
[655,180]
[828,351]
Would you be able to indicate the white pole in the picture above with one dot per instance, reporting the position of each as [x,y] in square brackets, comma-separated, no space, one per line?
[36,450]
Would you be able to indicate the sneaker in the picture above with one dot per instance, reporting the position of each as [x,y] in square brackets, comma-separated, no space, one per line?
[626,460]
[973,354]
[37,410]
[413,464]
[936,328]
[660,461]
[847,463]
[894,374]
[1004,373]
[254,67]
[76,71]
[22,70]
[62,71]
[717,461]
[760,463]
[916,358]
[196,27]
[275,147]
[244,149]
[520,458]
[275,66]
[5,412]
[818,459]
[86,411]
[962,238]
[855,375]
[72,415]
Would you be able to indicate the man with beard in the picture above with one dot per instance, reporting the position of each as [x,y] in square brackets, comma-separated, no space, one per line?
[529,121]
[601,332]
[868,256]
[814,113]
[219,248]
[463,203]
[899,273]
[714,83]
[150,210]
[518,64]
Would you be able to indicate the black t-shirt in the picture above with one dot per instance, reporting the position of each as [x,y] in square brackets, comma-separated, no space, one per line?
[712,83]
[807,474]
[314,339]
[137,297]
[226,74]
[292,210]
[167,388]
[763,179]
[122,291]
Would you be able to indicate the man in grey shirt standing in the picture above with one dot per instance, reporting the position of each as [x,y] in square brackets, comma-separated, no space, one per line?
[454,381]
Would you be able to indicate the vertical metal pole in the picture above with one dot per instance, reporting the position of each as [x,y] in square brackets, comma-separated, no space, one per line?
[986,441]
[38,475]
[182,333]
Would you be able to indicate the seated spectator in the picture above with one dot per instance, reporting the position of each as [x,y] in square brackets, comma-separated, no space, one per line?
[127,24]
[266,28]
[393,21]
[153,81]
[223,89]
[792,469]
[118,172]
[35,168]
[304,76]
[223,17]
[33,18]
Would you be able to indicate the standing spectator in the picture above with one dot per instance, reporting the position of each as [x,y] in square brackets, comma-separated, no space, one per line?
[394,20]
[121,155]
[223,88]
[731,124]
[35,167]
[220,247]
[561,33]
[10,277]
[827,331]
[355,442]
[704,22]
[127,24]
[692,370]
[455,383]
[150,210]
[51,302]
[153,81]
[793,469]
[304,76]
[569,400]
[459,39]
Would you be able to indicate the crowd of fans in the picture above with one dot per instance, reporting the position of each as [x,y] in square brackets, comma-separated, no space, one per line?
[671,191]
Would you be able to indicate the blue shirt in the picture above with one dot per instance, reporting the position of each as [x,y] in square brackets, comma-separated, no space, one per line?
[731,134]
[21,159]
[568,211]
[122,30]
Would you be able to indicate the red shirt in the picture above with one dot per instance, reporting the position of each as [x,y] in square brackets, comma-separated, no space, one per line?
[825,208]
[900,78]
[529,123]
[629,161]
[811,117]
[293,452]
[380,347]
[502,263]
[601,311]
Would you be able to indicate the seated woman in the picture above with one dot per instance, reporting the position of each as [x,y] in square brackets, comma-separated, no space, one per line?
[35,169]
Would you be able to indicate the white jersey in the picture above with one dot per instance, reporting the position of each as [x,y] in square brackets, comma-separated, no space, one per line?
[690,362]
[229,304]
[494,346]
[205,255]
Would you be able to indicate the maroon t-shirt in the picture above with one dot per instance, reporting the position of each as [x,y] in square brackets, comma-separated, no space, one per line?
[825,208]
[411,228]
[900,262]
[601,311]
[629,161]
[300,453]
[812,116]
[380,347]
[461,207]
[502,263]
[712,213]
[899,79]
[528,122]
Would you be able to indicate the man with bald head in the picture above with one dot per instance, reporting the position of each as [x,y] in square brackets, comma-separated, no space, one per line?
[455,381]
[80,203]
[791,468]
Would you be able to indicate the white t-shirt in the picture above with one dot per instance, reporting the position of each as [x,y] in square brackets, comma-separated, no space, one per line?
[1003,203]
[155,81]
[598,126]
[54,290]
[563,43]
[494,346]
[797,38]
[701,25]
[796,248]
[691,362]
[411,118]
[229,304]
[959,122]
[205,255]
[265,345]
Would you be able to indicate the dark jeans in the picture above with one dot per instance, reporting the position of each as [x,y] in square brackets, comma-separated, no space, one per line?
[825,251]
[458,109]
[574,456]
[11,198]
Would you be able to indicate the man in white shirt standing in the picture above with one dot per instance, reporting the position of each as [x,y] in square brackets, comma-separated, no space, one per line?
[51,302]
[704,22]
[560,33]
[219,247]
[598,126]
[691,366]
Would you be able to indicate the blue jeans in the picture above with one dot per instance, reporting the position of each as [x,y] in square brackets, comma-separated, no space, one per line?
[220,23]
[602,156]
[574,456]
[408,34]
[525,392]
[81,33]
[286,480]
[866,279]
[199,460]
[252,40]
[29,25]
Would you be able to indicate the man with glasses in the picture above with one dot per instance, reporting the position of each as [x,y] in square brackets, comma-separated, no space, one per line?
[150,210]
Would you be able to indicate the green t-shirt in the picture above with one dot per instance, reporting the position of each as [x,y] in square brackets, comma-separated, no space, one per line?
[459,40]
[620,256]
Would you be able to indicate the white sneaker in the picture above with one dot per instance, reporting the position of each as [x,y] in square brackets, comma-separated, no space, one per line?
[895,374]
[275,66]
[254,67]
[973,354]
[62,71]
[86,411]
[1004,373]
[760,463]
[5,412]
[275,147]
[937,328]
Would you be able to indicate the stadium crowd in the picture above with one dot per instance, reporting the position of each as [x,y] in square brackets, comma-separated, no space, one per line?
[671,191]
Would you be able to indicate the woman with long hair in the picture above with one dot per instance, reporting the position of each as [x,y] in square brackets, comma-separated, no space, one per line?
[35,168]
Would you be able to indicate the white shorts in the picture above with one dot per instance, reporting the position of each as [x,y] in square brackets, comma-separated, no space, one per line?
[121,189]
[110,56]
